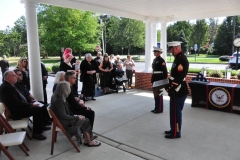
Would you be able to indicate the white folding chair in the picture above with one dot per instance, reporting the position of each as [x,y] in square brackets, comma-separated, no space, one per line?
[57,126]
[16,124]
[11,138]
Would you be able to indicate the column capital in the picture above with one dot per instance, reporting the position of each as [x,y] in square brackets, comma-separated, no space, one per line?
[150,19]
[29,2]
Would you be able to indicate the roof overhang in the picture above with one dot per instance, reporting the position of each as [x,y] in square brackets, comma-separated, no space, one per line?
[154,10]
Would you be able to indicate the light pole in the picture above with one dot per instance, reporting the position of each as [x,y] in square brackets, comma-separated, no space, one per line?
[122,50]
[104,19]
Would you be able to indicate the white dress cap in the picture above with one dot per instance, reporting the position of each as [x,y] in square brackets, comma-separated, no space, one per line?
[156,49]
[174,43]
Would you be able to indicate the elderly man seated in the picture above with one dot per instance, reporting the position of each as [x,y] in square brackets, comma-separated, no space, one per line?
[30,98]
[18,105]
[77,106]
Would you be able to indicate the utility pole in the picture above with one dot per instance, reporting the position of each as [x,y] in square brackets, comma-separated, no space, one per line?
[234,30]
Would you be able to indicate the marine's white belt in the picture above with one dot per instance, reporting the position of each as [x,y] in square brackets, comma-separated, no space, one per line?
[157,72]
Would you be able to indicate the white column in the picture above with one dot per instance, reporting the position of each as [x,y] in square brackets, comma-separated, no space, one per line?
[148,46]
[33,50]
[154,38]
[164,40]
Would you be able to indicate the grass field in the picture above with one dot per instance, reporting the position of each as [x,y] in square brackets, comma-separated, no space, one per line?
[191,58]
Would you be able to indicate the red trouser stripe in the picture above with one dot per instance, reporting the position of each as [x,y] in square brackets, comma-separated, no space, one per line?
[232,98]
[160,103]
[175,119]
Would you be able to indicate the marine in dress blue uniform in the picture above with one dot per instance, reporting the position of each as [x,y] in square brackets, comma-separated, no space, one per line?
[177,89]
[159,73]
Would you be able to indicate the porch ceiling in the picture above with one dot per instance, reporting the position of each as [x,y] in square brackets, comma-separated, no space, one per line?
[155,10]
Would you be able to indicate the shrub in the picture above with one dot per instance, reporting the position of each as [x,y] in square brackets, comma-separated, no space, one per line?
[123,59]
[49,68]
[55,67]
[216,73]
[135,58]
[224,58]
[194,70]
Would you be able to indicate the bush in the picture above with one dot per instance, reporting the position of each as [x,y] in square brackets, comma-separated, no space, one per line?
[135,58]
[194,70]
[224,58]
[123,59]
[216,73]
[49,68]
[55,67]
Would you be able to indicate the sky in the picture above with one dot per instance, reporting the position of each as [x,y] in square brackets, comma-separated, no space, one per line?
[11,10]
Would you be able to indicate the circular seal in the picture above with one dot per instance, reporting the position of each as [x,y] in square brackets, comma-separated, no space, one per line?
[219,97]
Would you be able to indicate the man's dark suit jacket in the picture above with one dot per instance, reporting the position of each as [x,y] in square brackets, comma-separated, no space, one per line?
[74,105]
[4,65]
[11,98]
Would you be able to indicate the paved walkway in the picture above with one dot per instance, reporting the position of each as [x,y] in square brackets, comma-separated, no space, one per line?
[129,131]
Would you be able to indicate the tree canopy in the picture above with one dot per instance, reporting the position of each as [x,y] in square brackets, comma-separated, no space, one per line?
[224,38]
[127,33]
[64,27]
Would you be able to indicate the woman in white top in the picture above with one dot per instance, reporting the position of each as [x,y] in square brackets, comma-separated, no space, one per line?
[129,64]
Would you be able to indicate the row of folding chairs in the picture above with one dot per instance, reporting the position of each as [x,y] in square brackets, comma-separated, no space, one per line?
[9,136]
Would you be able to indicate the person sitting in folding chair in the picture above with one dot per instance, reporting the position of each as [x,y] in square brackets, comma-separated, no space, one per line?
[30,98]
[19,106]
[73,124]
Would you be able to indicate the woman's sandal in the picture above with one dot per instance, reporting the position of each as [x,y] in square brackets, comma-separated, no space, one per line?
[96,144]
[94,137]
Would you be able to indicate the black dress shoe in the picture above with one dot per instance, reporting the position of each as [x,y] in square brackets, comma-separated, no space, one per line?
[47,123]
[153,111]
[170,136]
[168,132]
[38,136]
[45,128]
[156,112]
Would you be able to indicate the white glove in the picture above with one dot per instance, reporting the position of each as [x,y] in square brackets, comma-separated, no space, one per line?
[161,91]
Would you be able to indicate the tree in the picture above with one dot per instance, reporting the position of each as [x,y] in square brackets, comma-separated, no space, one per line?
[127,33]
[199,35]
[21,28]
[174,30]
[184,44]
[213,27]
[64,27]
[158,35]
[10,42]
[224,37]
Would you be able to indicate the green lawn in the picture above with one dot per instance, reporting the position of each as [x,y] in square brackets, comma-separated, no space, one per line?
[201,59]
[191,58]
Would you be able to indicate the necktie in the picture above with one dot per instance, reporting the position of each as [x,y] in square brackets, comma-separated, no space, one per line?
[22,96]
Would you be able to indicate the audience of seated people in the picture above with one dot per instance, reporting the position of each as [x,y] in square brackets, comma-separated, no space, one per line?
[74,124]
[19,106]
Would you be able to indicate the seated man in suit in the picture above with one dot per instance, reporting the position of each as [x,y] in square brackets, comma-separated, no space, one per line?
[76,105]
[30,98]
[18,105]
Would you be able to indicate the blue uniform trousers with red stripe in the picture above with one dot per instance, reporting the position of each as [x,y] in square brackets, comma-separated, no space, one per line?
[176,106]
[158,103]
